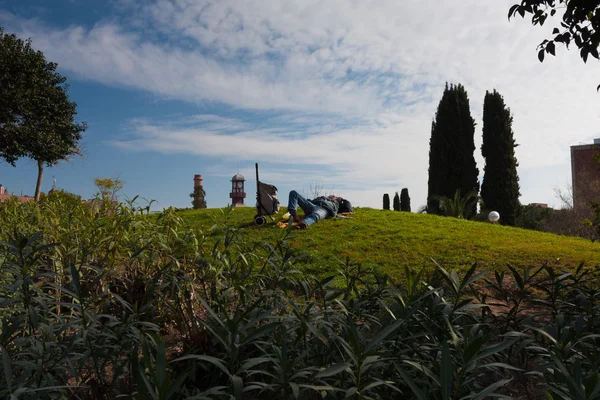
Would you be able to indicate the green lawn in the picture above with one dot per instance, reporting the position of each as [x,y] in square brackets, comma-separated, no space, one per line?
[389,240]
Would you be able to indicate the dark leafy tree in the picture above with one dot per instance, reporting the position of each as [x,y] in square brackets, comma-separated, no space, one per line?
[404,200]
[533,217]
[37,120]
[397,202]
[386,201]
[500,187]
[452,165]
[580,23]
[198,197]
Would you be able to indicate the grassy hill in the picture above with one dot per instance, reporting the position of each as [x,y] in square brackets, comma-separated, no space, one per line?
[389,240]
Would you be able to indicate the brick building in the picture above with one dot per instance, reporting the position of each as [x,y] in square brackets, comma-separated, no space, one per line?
[585,174]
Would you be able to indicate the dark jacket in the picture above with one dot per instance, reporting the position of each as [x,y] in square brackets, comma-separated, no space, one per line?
[330,205]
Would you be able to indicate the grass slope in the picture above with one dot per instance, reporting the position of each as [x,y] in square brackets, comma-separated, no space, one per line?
[389,240]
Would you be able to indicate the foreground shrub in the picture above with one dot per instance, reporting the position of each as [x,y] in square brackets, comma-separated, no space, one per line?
[111,301]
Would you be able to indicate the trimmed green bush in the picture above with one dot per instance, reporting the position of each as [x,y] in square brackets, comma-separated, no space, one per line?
[386,201]
[396,202]
[404,200]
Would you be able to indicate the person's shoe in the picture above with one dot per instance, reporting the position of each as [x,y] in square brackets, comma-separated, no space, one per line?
[302,225]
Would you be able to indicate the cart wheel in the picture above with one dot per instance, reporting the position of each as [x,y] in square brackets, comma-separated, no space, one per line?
[260,220]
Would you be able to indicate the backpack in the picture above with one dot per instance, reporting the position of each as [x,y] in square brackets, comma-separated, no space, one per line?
[345,206]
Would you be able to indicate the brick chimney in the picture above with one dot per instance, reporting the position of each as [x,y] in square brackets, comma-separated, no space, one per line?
[2,189]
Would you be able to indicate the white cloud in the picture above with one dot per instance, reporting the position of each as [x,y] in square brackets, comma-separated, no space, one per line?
[355,84]
[110,54]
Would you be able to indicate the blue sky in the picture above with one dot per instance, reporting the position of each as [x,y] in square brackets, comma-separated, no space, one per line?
[336,94]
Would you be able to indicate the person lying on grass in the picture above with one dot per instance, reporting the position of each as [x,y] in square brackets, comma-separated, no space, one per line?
[320,208]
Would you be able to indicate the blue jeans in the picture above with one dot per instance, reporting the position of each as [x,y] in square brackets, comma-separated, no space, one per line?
[312,212]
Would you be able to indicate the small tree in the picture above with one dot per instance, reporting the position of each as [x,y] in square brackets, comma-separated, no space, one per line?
[404,200]
[108,188]
[36,116]
[198,198]
[386,201]
[396,202]
[575,221]
[317,189]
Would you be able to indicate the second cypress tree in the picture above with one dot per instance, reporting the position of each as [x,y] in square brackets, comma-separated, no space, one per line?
[500,187]
[404,200]
[452,165]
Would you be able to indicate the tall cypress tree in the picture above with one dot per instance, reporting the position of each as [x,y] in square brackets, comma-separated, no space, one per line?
[404,200]
[500,188]
[396,202]
[386,201]
[452,163]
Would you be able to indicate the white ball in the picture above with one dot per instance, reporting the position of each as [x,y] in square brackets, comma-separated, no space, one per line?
[494,216]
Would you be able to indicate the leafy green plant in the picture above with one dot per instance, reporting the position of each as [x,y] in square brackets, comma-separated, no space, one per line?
[458,206]
[111,301]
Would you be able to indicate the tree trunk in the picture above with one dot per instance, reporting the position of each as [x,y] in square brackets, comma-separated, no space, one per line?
[38,186]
